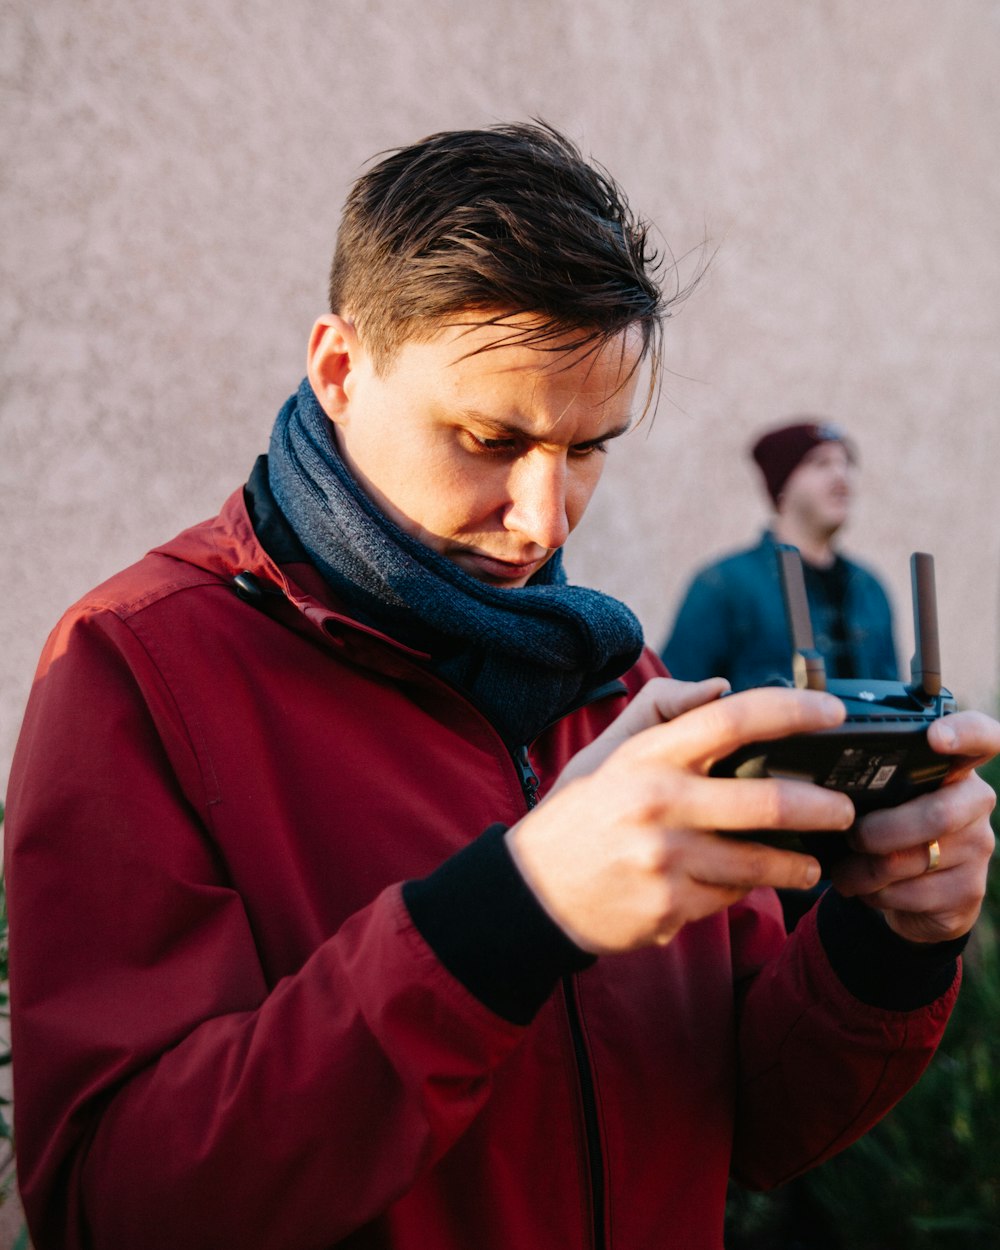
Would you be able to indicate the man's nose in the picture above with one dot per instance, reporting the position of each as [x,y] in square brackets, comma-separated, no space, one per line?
[537,509]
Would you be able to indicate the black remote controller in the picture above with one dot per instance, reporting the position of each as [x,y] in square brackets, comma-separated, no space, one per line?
[879,756]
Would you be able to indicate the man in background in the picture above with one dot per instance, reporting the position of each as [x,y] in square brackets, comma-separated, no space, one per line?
[732,623]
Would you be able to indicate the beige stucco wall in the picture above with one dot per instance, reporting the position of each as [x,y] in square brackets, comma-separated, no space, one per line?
[172,176]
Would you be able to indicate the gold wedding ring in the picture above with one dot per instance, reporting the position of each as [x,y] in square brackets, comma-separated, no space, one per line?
[933,855]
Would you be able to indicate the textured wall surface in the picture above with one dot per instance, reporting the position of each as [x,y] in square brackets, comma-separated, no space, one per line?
[171,185]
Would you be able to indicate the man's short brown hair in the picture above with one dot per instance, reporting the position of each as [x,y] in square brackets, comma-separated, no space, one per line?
[507,220]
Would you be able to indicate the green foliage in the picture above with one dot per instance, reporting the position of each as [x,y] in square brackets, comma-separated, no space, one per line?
[928,1176]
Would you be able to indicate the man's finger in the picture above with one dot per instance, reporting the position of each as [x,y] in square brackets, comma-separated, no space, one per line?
[744,865]
[971,736]
[733,805]
[706,734]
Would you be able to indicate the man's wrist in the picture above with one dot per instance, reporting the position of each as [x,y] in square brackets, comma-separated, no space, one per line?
[878,966]
[485,925]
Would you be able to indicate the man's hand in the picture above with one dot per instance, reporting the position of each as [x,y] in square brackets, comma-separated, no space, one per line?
[890,870]
[627,849]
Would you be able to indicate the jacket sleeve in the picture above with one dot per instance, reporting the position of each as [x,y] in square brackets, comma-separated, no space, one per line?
[819,1065]
[167,1095]
[699,645]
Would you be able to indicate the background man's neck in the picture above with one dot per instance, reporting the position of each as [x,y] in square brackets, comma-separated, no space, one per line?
[816,548]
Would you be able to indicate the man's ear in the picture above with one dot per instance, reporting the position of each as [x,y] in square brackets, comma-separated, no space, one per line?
[334,355]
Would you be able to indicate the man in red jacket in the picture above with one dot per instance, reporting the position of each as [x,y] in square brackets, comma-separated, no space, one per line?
[367,883]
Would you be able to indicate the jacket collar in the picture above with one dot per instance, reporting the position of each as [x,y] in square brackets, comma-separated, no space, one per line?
[251,546]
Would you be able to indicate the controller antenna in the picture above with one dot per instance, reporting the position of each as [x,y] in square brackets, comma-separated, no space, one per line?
[925,668]
[808,668]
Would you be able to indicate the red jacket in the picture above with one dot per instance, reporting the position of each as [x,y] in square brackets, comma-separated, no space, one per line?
[229,1032]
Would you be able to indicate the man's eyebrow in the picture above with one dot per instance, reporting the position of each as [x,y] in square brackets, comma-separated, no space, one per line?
[513,430]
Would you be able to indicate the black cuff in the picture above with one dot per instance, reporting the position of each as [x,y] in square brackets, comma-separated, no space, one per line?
[485,925]
[878,966]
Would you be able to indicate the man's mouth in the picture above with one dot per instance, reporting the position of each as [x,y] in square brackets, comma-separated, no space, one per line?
[496,571]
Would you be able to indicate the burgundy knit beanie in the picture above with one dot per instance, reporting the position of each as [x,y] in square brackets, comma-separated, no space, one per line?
[780,451]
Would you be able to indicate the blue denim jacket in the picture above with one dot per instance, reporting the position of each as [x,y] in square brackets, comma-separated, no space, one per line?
[732,623]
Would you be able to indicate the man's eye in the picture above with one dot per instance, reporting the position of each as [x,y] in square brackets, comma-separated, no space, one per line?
[495,446]
[589,449]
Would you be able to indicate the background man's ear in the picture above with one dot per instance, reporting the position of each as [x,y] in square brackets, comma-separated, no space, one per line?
[333,353]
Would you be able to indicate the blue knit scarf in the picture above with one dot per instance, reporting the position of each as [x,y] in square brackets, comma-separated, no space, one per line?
[524,656]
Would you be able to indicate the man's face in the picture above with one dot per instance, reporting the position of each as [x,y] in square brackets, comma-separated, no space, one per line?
[489,459]
[817,493]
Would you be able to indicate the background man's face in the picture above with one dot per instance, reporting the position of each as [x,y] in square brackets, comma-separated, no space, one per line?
[488,459]
[818,491]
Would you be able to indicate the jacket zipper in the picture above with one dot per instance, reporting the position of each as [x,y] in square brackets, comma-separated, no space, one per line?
[526,774]
[585,1076]
[588,1099]
[250,589]
[527,777]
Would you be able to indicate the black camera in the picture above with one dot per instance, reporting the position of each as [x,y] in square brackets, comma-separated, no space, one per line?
[879,756]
